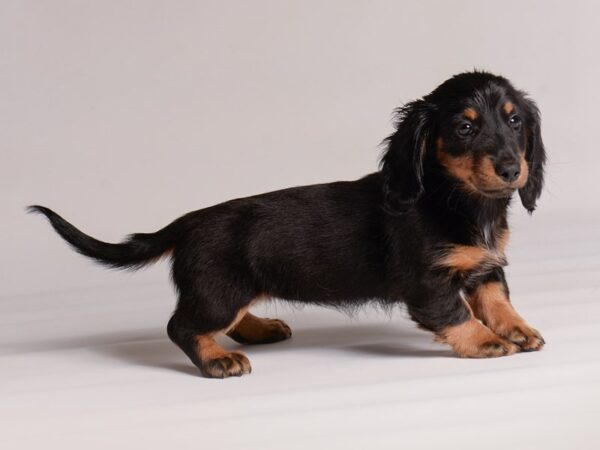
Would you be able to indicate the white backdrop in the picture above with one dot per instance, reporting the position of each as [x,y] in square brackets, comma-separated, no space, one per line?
[123,115]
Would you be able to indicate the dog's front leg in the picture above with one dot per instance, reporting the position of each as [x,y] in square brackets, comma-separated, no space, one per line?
[490,303]
[447,313]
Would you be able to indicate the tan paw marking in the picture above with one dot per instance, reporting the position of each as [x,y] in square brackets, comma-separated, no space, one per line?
[524,336]
[255,330]
[491,305]
[472,339]
[216,362]
[228,365]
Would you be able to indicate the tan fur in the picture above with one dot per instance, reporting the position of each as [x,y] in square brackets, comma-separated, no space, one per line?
[253,326]
[485,175]
[479,174]
[491,305]
[215,360]
[239,317]
[460,167]
[524,175]
[207,348]
[472,339]
[258,330]
[508,107]
[470,113]
[244,311]
[440,144]
[463,258]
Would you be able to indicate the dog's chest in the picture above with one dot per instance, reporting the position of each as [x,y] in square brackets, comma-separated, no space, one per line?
[473,260]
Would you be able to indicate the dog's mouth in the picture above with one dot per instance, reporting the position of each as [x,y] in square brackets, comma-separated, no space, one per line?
[497,192]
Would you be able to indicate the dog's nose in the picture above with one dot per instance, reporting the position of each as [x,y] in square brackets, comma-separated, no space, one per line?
[509,172]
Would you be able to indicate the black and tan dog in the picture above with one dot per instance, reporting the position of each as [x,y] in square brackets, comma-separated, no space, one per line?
[428,230]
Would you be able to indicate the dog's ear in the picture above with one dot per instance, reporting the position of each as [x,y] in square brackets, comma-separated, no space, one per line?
[535,155]
[402,160]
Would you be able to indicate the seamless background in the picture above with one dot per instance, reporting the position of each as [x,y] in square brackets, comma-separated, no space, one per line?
[123,115]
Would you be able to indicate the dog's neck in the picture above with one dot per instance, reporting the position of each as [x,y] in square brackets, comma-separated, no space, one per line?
[465,215]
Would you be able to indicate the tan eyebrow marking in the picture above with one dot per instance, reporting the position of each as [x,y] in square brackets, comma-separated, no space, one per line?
[508,107]
[440,143]
[470,113]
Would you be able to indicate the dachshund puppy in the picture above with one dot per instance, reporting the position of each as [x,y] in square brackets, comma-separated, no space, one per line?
[428,230]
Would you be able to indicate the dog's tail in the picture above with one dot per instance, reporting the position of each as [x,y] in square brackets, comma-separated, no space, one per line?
[136,251]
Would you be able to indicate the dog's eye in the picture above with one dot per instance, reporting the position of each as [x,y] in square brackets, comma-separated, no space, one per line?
[465,129]
[515,122]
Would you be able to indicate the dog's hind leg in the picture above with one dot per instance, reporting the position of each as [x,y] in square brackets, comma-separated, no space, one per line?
[216,288]
[257,330]
[197,339]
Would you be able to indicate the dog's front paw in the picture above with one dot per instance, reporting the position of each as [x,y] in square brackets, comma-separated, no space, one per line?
[472,339]
[492,348]
[527,338]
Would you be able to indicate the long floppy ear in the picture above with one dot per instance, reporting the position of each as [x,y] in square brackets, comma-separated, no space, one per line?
[535,155]
[402,161]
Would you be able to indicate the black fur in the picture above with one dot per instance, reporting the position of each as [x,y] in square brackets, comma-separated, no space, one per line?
[347,243]
[138,250]
[402,163]
[536,158]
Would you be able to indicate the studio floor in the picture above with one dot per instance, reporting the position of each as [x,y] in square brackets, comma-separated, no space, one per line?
[93,368]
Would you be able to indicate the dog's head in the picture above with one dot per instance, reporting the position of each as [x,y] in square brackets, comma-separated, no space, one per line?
[478,130]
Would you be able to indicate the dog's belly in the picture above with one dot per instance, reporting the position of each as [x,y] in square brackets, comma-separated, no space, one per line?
[333,288]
